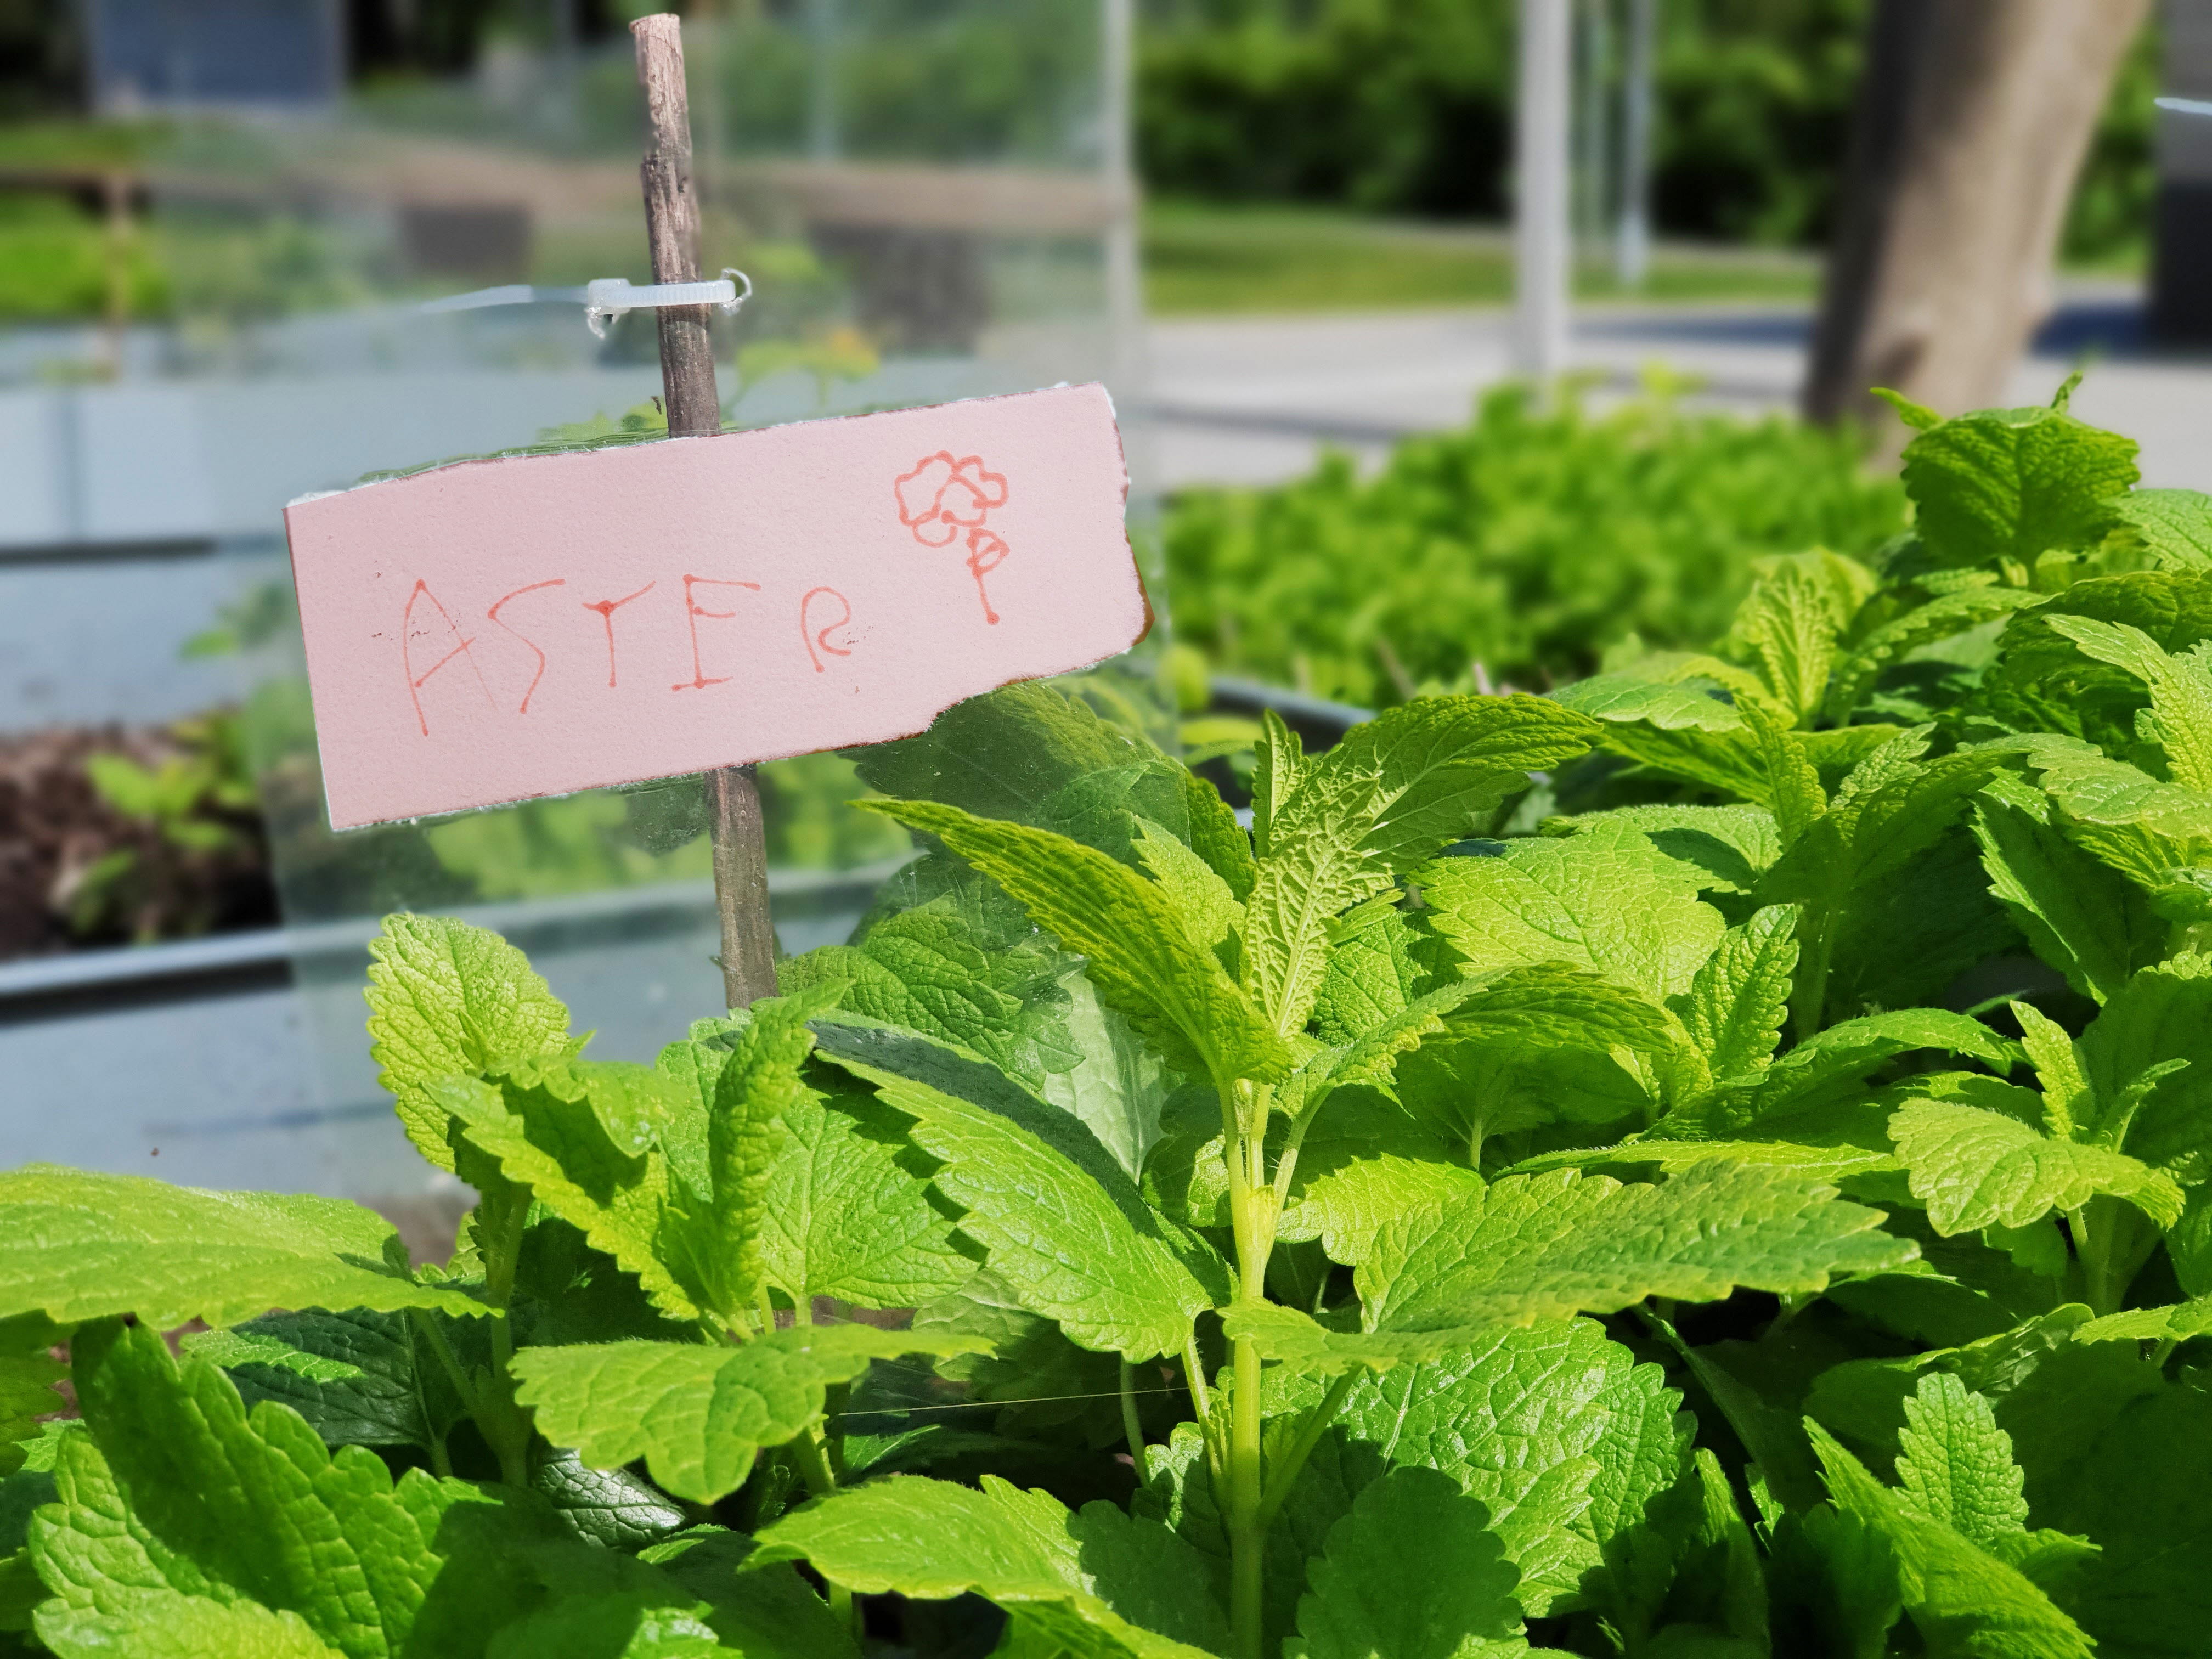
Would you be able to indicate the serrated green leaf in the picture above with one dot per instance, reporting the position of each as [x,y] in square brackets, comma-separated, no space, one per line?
[2080,916]
[1541,1247]
[2160,1016]
[1794,792]
[446,1000]
[1974,1167]
[2085,1414]
[1118,1087]
[1371,1059]
[609,1507]
[1345,1204]
[164,1625]
[2179,718]
[1061,1221]
[1217,837]
[841,1220]
[1961,1598]
[1559,1432]
[1956,1464]
[755,1609]
[352,1375]
[2173,525]
[1210,910]
[1371,973]
[1730,846]
[1443,765]
[2177,1323]
[1892,809]
[1667,705]
[27,1376]
[1998,488]
[1137,945]
[1362,1604]
[1624,910]
[1302,1344]
[1137,1584]
[2066,1099]
[1940,618]
[1000,755]
[945,950]
[1544,1044]
[698,1414]
[758,1090]
[1787,627]
[1841,1156]
[582,1136]
[75,1246]
[1739,999]
[1395,790]
[2041,681]
[1830,1064]
[178,1489]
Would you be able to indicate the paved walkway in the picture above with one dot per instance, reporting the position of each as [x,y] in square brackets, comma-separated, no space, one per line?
[1253,400]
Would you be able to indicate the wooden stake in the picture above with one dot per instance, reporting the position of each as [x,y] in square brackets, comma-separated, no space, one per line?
[695,410]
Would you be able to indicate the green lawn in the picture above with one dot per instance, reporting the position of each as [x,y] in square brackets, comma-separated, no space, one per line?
[1206,259]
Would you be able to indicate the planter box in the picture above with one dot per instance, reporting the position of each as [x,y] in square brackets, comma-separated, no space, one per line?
[242,1060]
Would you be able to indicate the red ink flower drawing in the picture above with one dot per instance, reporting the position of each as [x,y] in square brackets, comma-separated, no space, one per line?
[945,500]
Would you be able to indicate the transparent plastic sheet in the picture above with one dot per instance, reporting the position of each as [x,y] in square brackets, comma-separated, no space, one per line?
[907,246]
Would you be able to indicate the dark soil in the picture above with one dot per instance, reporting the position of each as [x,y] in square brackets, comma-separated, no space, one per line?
[55,827]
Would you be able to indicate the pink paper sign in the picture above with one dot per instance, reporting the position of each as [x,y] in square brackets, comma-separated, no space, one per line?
[499,629]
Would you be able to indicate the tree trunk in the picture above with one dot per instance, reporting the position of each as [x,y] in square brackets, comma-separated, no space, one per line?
[1973,118]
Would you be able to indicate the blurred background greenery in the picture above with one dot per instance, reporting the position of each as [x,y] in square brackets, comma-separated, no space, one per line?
[1297,153]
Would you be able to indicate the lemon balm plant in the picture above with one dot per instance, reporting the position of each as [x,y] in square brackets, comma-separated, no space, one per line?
[1706,1162]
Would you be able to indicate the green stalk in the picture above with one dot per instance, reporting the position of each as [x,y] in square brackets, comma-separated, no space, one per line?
[813,1460]
[505,1423]
[1810,999]
[1132,1430]
[1248,1533]
[1253,1210]
[1310,1433]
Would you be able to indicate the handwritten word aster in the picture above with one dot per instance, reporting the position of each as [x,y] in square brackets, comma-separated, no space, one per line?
[495,630]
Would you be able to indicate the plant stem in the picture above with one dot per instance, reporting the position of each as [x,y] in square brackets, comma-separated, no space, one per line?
[428,1329]
[1310,1433]
[1131,1427]
[506,1425]
[1810,999]
[1248,1533]
[813,1460]
[1253,1210]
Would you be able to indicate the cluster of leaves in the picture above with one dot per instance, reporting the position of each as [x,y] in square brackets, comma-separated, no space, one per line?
[1512,551]
[197,838]
[1710,1163]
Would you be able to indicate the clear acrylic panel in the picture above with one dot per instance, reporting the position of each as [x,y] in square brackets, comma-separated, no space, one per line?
[930,198]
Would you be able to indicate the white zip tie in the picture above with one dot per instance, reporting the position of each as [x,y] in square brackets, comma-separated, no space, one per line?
[608,297]
[2185,105]
[611,296]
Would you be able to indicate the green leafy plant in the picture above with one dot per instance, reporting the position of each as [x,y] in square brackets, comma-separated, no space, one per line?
[1708,1162]
[202,813]
[1515,552]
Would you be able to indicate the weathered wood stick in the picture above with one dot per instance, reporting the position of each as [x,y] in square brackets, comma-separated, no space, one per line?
[695,410]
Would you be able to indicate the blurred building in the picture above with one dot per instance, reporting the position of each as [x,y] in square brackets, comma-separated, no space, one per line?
[2181,264]
[169,56]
